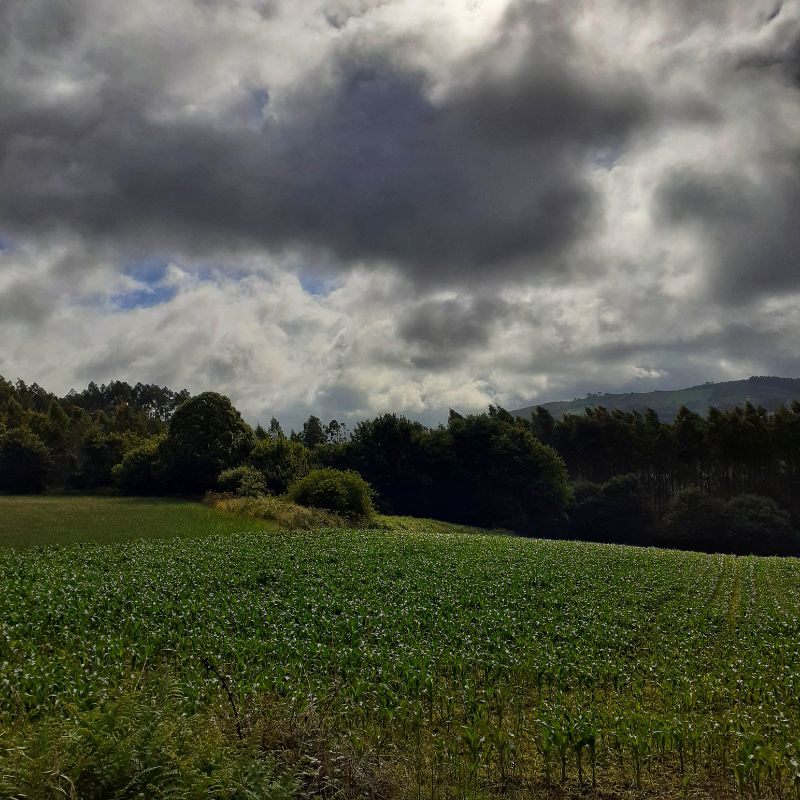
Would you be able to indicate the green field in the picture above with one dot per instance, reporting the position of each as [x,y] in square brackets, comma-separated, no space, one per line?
[421,661]
[43,520]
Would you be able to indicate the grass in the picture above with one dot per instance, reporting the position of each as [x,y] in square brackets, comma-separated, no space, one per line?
[282,513]
[29,521]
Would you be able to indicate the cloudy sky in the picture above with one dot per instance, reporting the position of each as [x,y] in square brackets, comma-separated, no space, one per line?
[350,206]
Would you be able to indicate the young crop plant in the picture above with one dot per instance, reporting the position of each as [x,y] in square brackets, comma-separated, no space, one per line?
[453,663]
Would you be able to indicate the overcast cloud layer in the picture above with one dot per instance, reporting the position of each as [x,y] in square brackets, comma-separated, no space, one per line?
[349,206]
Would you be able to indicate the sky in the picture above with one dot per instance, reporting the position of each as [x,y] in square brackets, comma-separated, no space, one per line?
[345,207]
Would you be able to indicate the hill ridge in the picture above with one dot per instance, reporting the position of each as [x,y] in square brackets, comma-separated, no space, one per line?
[768,391]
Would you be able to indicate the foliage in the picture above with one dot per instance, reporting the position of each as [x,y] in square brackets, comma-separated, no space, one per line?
[138,472]
[760,526]
[101,452]
[616,511]
[244,481]
[145,401]
[338,455]
[483,470]
[313,433]
[696,521]
[285,514]
[280,460]
[24,461]
[491,469]
[87,432]
[473,664]
[389,452]
[740,451]
[746,524]
[275,430]
[344,492]
[505,477]
[139,743]
[206,435]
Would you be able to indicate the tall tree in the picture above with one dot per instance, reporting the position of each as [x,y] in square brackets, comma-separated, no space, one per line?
[206,435]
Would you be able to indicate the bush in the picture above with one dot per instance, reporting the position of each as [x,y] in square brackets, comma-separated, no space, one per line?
[284,513]
[281,461]
[242,481]
[138,472]
[758,525]
[24,461]
[343,492]
[139,743]
[616,511]
[695,521]
[746,524]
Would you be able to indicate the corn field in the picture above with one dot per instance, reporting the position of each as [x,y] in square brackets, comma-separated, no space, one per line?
[478,665]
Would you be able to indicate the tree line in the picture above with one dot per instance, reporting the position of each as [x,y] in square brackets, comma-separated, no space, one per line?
[728,481]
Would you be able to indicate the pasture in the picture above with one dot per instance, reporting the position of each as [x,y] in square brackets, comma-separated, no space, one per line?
[32,520]
[437,663]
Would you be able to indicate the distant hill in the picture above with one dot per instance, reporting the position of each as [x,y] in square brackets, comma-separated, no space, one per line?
[763,391]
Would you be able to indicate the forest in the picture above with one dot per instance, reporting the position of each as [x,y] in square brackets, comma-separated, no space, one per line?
[724,482]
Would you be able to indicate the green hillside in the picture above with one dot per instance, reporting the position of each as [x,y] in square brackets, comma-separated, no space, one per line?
[766,391]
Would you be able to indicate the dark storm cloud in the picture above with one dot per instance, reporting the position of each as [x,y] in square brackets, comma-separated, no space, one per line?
[750,226]
[550,97]
[488,181]
[451,323]
[331,399]
[440,331]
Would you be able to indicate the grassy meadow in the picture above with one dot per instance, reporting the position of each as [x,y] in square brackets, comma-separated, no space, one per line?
[415,660]
[32,520]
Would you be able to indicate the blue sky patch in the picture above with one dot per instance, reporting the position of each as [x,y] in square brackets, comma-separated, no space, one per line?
[259,100]
[143,298]
[150,273]
[314,285]
[148,270]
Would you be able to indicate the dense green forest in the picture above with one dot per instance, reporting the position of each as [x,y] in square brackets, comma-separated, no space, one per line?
[727,481]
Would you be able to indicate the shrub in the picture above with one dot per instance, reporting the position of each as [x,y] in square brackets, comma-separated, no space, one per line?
[138,472]
[342,491]
[758,525]
[284,513]
[746,524]
[616,511]
[139,743]
[281,461]
[695,521]
[242,481]
[24,461]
